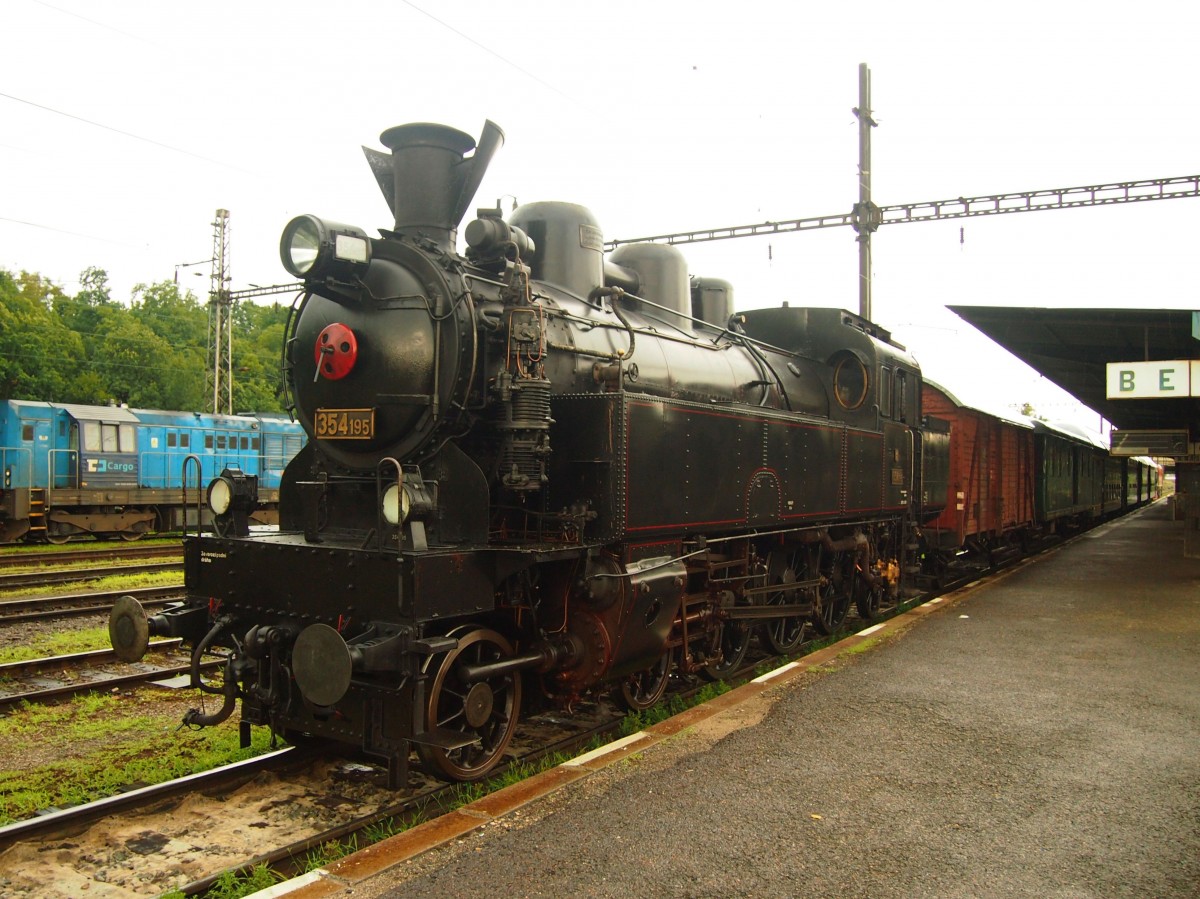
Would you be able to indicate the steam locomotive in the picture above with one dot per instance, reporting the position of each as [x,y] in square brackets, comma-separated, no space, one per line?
[536,472]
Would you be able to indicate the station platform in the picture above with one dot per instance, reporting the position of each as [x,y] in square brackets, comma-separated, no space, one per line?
[1036,735]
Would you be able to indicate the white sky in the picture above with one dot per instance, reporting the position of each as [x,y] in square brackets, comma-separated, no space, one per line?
[659,116]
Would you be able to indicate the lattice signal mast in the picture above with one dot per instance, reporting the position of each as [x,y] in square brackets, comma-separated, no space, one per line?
[219,370]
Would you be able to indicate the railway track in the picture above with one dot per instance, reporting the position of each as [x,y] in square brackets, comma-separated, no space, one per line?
[58,677]
[347,823]
[58,821]
[26,559]
[18,580]
[69,605]
[349,793]
[295,801]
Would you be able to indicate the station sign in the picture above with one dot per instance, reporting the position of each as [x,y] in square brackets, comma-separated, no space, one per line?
[1152,380]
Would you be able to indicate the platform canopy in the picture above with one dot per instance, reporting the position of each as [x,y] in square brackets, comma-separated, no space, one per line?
[1072,348]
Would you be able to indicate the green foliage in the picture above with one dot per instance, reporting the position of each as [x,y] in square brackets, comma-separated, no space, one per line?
[39,354]
[44,645]
[128,745]
[637,721]
[328,853]
[149,354]
[109,582]
[231,885]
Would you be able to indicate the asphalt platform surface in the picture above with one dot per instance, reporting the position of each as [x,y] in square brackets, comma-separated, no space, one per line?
[1038,736]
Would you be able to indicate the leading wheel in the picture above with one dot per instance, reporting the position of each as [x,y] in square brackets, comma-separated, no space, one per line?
[485,712]
[642,690]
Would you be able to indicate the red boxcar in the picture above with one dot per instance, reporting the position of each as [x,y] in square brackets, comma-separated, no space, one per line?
[990,499]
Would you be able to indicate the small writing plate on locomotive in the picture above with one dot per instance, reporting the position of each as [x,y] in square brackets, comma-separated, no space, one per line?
[345,424]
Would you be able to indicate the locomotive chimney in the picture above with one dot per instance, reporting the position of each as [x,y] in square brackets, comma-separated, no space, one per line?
[429,181]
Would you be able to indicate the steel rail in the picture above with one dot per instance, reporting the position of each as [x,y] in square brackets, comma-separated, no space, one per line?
[36,608]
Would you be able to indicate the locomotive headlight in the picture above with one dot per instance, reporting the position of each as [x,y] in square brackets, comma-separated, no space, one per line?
[220,496]
[232,496]
[395,504]
[313,248]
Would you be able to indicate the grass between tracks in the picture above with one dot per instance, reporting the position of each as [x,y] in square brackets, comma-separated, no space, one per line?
[44,645]
[39,549]
[123,740]
[115,582]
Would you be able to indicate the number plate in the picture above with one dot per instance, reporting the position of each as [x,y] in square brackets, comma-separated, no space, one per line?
[345,424]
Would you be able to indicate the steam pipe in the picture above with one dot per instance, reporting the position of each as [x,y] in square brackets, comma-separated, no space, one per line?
[201,648]
[615,295]
[196,718]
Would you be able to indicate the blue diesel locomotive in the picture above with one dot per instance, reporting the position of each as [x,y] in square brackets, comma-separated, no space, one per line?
[109,471]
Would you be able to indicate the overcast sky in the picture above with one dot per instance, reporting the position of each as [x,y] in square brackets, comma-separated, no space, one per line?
[126,124]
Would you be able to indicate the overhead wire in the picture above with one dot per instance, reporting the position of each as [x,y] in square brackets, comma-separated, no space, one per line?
[180,150]
[67,12]
[120,243]
[487,49]
[130,134]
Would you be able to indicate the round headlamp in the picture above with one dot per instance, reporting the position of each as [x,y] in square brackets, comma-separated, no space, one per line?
[232,496]
[395,504]
[220,496]
[300,245]
[311,247]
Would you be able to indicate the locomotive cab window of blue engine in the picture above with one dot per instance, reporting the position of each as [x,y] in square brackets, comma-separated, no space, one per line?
[208,441]
[26,433]
[220,441]
[172,439]
[100,437]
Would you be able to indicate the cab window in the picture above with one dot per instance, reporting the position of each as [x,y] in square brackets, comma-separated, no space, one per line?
[850,382]
[900,403]
[885,391]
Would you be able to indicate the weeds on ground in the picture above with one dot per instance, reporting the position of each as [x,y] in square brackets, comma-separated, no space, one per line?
[636,721]
[866,645]
[64,643]
[126,744]
[232,885]
[112,582]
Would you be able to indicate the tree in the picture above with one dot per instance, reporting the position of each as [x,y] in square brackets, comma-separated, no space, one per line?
[39,356]
[151,354]
[177,318]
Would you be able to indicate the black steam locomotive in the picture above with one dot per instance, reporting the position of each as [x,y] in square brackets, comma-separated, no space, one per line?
[534,470]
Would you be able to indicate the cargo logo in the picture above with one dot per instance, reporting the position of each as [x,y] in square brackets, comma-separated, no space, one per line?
[104,466]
